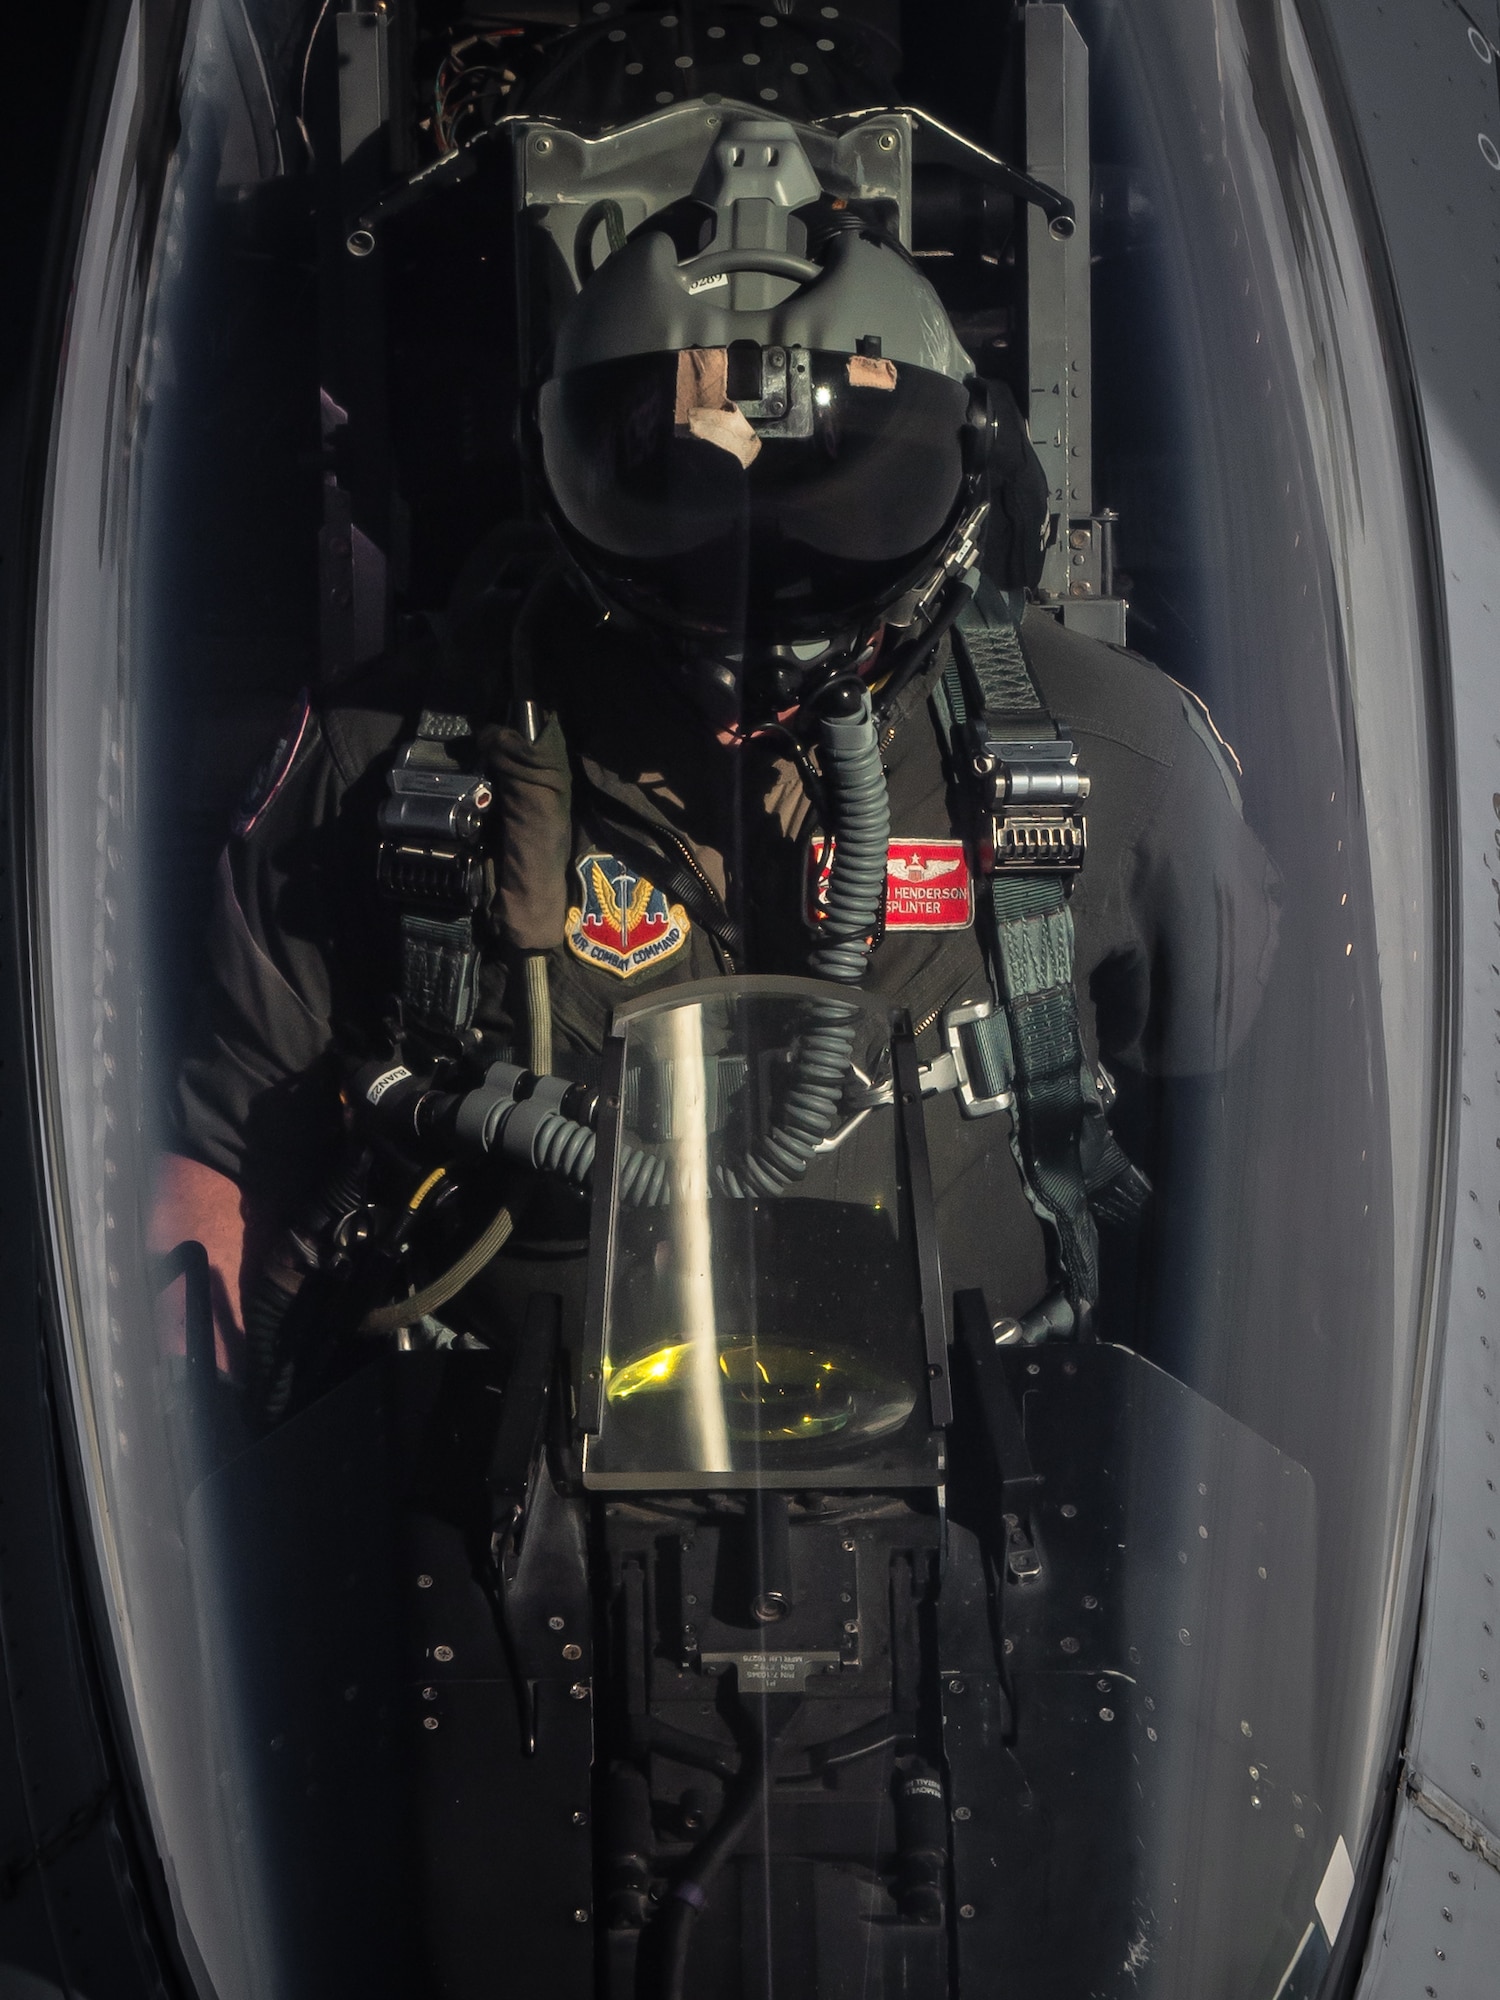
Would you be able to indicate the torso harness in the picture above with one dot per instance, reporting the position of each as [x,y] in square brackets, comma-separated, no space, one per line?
[1021,1052]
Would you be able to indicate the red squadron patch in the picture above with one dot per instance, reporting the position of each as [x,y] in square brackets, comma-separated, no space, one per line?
[624,923]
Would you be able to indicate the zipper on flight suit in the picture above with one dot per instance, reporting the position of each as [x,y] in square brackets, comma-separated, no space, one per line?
[696,870]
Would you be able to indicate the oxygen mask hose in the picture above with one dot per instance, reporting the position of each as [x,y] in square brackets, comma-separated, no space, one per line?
[861,815]
[861,812]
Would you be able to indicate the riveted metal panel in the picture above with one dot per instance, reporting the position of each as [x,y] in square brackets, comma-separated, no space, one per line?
[1422,87]
[1057,268]
[1437,1934]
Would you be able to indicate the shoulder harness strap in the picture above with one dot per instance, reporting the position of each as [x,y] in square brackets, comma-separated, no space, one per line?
[1031,839]
[431,866]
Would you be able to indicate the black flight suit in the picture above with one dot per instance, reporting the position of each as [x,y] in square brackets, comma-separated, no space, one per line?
[1175,909]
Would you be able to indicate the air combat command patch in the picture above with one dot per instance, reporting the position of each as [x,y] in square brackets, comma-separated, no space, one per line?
[625,924]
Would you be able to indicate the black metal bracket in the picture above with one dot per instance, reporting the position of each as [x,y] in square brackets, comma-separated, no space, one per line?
[1019,1480]
[541,1562]
[601,1236]
[908,1096]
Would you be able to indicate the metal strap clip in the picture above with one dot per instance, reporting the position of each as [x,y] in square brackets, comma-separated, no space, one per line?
[982,1061]
[1039,840]
[1030,793]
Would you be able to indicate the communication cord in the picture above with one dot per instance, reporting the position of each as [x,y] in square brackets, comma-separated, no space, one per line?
[707,1860]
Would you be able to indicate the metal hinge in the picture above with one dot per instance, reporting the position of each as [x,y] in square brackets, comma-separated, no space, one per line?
[1435,1803]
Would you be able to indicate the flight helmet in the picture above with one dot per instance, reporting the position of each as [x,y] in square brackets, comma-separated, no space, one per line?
[757,433]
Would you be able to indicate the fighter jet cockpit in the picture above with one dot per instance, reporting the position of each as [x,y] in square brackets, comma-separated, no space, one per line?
[738,951]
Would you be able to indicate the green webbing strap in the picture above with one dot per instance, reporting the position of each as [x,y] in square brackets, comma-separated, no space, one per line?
[1031,969]
[1034,945]
[1000,667]
[438,967]
[439,953]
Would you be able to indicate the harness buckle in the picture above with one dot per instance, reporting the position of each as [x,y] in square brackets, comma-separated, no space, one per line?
[440,878]
[1039,840]
[1030,795]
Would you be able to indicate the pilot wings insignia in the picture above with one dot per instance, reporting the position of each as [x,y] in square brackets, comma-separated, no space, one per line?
[624,923]
[912,870]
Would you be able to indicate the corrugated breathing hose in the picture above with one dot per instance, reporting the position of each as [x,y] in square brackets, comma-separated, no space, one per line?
[860,808]
[861,811]
[562,1148]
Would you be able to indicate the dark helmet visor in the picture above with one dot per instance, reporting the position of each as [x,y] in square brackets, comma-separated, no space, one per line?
[814,531]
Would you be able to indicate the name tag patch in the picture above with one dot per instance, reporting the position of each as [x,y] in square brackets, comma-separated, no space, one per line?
[623,923]
[927,884]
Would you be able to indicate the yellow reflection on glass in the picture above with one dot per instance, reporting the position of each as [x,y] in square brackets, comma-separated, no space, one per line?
[775,1392]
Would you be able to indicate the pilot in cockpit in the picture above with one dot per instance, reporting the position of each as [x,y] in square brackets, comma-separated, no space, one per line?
[776,702]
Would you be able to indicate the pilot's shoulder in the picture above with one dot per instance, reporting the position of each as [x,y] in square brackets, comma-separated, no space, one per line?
[1110,692]
[1104,690]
